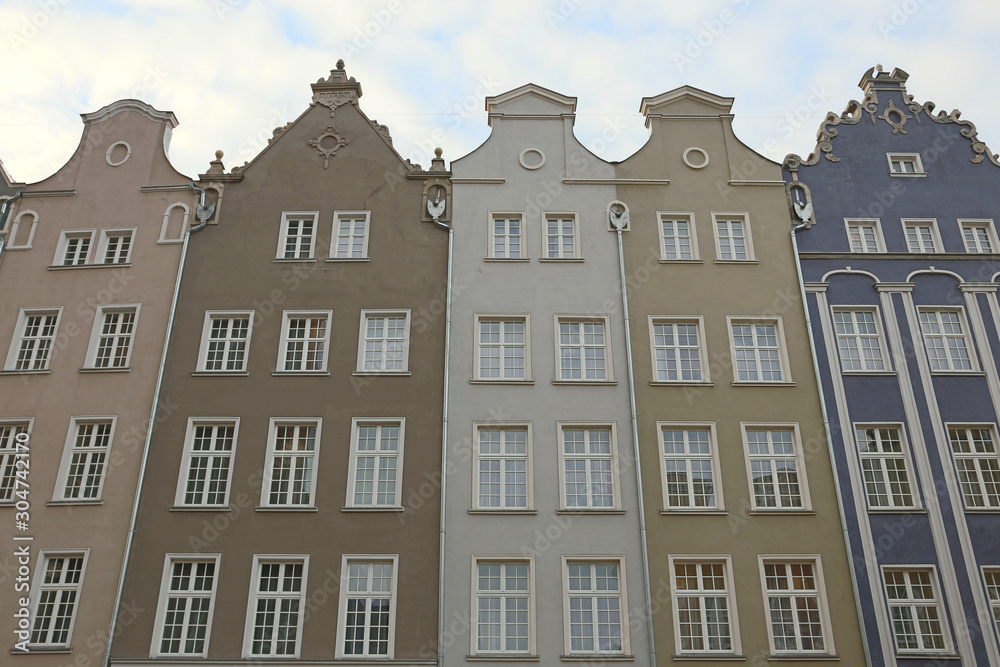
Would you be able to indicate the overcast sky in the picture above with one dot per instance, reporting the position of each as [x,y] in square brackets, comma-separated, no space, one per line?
[233,70]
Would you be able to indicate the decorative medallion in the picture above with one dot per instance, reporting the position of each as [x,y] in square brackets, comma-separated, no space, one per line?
[696,158]
[118,153]
[328,143]
[895,117]
[531,158]
[334,99]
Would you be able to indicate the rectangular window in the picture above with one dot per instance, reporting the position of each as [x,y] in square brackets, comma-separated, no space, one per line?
[111,340]
[297,236]
[376,463]
[865,235]
[858,339]
[184,613]
[305,339]
[922,236]
[292,449]
[31,349]
[562,238]
[975,452]
[589,467]
[884,467]
[979,235]
[74,248]
[350,235]
[583,348]
[917,622]
[274,615]
[502,348]
[595,609]
[905,164]
[945,341]
[367,607]
[9,432]
[993,591]
[116,246]
[776,468]
[504,607]
[207,463]
[506,236]
[758,348]
[704,606]
[503,467]
[385,342]
[677,236]
[796,604]
[224,341]
[81,474]
[690,465]
[678,350]
[732,237]
[56,596]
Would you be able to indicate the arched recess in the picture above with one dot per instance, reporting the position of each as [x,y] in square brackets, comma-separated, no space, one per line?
[22,230]
[175,222]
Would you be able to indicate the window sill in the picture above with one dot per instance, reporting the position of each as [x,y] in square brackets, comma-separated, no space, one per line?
[42,649]
[979,510]
[868,372]
[348,259]
[284,260]
[913,175]
[588,511]
[896,510]
[220,373]
[803,656]
[682,261]
[527,382]
[959,373]
[304,508]
[105,370]
[377,373]
[503,511]
[781,512]
[928,654]
[200,508]
[680,383]
[757,383]
[502,657]
[557,260]
[597,658]
[56,267]
[737,261]
[395,508]
[506,259]
[86,501]
[709,656]
[301,373]
[44,371]
[694,512]
[583,382]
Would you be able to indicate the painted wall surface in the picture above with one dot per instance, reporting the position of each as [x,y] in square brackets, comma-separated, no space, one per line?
[850,181]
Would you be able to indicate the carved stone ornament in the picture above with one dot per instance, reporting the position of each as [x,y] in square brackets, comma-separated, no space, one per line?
[895,117]
[334,99]
[328,143]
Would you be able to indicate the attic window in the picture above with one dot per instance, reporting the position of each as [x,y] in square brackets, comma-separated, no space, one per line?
[905,164]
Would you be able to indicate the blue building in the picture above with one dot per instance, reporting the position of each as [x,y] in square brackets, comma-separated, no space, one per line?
[900,261]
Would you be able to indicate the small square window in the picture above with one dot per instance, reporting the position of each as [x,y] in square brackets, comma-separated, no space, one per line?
[305,342]
[186,605]
[34,337]
[297,237]
[945,340]
[922,236]
[207,463]
[732,237]
[678,348]
[384,345]
[583,348]
[290,468]
[865,235]
[776,467]
[275,610]
[506,236]
[502,467]
[85,459]
[112,337]
[918,624]
[115,246]
[859,340]
[503,348]
[562,236]
[376,465]
[74,248]
[905,164]
[980,236]
[350,235]
[225,340]
[678,240]
[885,467]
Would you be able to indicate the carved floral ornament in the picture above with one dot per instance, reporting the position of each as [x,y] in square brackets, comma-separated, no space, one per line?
[328,143]
[334,99]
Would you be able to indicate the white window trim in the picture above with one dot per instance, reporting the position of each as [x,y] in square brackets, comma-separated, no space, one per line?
[15,227]
[15,343]
[949,648]
[748,236]
[970,343]
[786,368]
[713,441]
[918,165]
[992,603]
[64,237]
[734,625]
[36,593]
[272,435]
[388,312]
[356,423]
[879,333]
[165,237]
[617,559]
[577,249]
[616,489]
[829,648]
[992,428]
[875,223]
[679,215]
[188,452]
[283,235]
[504,559]
[97,329]
[59,494]
[529,501]
[102,246]
[287,316]
[334,238]
[697,320]
[346,560]
[491,251]
[609,371]
[28,423]
[907,463]
[161,606]
[251,607]
[800,465]
[923,222]
[991,233]
[207,330]
[503,317]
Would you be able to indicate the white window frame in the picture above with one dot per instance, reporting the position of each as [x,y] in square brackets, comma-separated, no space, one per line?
[283,238]
[916,224]
[679,216]
[19,336]
[295,454]
[90,453]
[860,224]
[729,593]
[698,322]
[38,582]
[881,457]
[588,457]
[97,334]
[619,561]
[10,455]
[503,457]
[503,561]
[712,458]
[347,254]
[492,236]
[166,594]
[189,453]
[729,217]
[783,362]
[211,316]
[798,457]
[345,572]
[936,602]
[991,578]
[504,320]
[560,253]
[102,247]
[283,559]
[165,231]
[378,454]
[609,375]
[63,247]
[819,593]
[913,158]
[966,224]
[977,461]
[385,314]
[281,367]
[15,230]
[858,338]
[965,335]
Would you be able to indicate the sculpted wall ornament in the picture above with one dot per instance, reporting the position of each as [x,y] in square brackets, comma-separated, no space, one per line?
[334,99]
[895,117]
[328,143]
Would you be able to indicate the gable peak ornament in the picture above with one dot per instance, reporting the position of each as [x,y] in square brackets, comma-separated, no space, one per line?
[328,143]
[336,90]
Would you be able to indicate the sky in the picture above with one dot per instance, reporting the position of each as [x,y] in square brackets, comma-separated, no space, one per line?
[233,70]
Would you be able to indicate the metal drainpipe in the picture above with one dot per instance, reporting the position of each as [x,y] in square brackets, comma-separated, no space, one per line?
[149,433]
[635,446]
[829,444]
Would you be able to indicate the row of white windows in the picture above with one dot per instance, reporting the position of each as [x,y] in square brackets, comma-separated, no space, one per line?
[922,235]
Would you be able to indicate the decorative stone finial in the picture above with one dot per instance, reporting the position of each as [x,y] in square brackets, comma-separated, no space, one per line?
[340,64]
[438,152]
[216,166]
[219,154]
[878,68]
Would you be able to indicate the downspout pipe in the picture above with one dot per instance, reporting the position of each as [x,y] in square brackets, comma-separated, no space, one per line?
[149,426]
[619,222]
[829,442]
